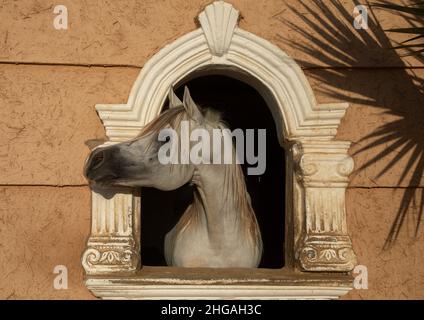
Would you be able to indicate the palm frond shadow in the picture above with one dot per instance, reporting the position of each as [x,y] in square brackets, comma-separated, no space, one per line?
[336,43]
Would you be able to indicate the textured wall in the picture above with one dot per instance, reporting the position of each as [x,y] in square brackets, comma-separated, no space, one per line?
[51,79]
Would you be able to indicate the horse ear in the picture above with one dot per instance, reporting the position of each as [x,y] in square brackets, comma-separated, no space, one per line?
[191,107]
[174,101]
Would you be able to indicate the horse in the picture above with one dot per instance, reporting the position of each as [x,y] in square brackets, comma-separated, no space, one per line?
[219,228]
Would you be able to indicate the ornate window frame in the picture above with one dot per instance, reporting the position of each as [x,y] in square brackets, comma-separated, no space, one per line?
[318,170]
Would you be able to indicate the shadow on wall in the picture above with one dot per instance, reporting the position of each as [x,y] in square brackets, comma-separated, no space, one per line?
[404,137]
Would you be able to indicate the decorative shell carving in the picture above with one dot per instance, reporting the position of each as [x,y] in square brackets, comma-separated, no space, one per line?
[218,22]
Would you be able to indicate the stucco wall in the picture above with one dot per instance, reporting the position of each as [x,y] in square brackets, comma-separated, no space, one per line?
[51,79]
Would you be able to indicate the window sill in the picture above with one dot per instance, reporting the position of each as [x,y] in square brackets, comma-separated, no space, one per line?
[208,284]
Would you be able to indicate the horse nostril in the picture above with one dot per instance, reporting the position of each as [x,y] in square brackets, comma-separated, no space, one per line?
[97,160]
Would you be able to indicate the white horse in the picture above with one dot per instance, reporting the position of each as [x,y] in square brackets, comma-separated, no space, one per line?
[219,229]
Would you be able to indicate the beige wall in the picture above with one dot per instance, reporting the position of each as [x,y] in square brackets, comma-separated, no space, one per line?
[50,81]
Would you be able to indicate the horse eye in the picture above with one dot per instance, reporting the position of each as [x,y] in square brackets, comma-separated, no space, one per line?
[167,139]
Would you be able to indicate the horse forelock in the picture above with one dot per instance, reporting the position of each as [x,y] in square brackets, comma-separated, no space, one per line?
[170,117]
[174,116]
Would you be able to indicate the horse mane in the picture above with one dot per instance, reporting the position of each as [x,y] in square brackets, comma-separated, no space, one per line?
[235,180]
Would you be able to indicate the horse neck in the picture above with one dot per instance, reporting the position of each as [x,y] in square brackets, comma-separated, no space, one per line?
[221,200]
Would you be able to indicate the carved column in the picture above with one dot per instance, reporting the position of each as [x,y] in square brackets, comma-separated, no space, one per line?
[322,170]
[113,243]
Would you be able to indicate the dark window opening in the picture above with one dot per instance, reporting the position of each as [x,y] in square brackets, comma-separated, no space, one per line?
[241,107]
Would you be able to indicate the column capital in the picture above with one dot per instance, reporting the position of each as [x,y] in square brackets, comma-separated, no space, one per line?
[323,163]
